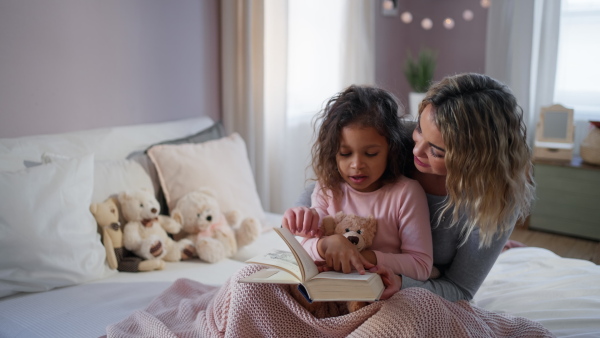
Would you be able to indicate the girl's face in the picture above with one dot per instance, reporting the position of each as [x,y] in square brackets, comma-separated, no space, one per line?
[429,150]
[362,157]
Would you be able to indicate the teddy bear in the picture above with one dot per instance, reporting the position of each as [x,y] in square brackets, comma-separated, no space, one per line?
[146,231]
[215,234]
[360,231]
[106,214]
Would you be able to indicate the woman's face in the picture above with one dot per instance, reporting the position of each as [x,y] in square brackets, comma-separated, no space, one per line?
[429,150]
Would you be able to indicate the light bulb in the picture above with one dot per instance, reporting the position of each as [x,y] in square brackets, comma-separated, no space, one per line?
[486,3]
[448,23]
[468,15]
[388,5]
[406,17]
[426,24]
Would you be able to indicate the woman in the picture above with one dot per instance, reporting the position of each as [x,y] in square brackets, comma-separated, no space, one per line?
[471,157]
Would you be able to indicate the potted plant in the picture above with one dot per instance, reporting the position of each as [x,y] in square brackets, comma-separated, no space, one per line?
[419,74]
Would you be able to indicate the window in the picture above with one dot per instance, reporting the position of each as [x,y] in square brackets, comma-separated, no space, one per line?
[578,69]
[315,45]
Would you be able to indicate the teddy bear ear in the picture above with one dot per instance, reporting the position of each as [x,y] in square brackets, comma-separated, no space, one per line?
[122,195]
[177,216]
[372,222]
[328,225]
[93,208]
[339,216]
[114,200]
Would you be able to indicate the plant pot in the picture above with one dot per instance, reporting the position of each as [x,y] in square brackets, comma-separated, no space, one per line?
[413,103]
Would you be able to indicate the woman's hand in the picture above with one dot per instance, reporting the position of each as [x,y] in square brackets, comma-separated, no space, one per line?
[302,221]
[391,281]
[341,255]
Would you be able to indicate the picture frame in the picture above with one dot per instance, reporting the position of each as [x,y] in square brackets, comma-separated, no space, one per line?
[555,133]
[555,124]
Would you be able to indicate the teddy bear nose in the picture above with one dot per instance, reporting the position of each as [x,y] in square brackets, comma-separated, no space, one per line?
[153,210]
[353,239]
[209,218]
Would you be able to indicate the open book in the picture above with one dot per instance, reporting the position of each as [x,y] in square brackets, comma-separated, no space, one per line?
[297,267]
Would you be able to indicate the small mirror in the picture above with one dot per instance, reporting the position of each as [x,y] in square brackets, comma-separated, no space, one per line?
[555,125]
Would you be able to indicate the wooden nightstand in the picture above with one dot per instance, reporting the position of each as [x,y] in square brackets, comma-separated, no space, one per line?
[568,198]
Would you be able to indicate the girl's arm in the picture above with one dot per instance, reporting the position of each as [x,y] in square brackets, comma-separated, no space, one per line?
[335,250]
[413,231]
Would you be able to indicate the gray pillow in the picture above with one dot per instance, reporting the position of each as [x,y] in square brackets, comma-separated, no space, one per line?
[213,132]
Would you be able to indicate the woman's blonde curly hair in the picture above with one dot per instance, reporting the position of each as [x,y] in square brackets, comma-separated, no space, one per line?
[488,161]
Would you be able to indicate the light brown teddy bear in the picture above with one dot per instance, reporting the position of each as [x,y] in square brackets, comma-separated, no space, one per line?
[215,234]
[146,231]
[360,231]
[117,257]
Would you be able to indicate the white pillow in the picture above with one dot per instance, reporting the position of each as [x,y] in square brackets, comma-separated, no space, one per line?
[49,237]
[112,176]
[221,165]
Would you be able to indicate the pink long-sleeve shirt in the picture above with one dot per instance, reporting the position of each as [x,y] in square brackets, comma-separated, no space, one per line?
[403,238]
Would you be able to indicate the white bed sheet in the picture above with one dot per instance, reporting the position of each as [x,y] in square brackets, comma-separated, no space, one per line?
[560,293]
[85,310]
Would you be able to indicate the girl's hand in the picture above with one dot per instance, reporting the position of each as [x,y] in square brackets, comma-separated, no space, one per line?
[341,255]
[391,281]
[302,221]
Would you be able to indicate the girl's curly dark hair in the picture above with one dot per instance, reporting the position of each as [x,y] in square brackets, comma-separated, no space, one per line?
[366,106]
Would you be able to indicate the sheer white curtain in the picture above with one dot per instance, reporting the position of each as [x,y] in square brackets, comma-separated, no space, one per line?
[280,61]
[521,51]
[242,74]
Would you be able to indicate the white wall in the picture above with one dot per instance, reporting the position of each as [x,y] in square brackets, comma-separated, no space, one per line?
[78,64]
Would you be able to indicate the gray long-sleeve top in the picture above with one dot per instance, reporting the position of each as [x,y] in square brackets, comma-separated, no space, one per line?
[463,268]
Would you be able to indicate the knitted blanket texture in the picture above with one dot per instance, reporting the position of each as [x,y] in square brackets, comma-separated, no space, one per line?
[191,309]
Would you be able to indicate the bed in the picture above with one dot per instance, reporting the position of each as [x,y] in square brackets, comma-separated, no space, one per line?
[54,280]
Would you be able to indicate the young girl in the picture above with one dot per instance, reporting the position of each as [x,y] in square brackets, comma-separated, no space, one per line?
[355,159]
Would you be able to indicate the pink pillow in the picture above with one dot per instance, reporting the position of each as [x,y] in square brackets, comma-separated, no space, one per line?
[221,165]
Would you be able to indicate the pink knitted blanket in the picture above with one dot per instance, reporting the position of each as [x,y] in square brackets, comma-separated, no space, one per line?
[192,309]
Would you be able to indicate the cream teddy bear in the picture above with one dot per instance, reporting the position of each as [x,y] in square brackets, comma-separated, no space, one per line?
[216,235]
[117,257]
[145,232]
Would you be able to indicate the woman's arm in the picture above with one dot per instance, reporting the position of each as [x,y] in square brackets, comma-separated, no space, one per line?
[468,268]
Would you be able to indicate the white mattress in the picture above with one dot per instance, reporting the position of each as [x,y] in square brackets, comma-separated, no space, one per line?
[85,310]
[562,294]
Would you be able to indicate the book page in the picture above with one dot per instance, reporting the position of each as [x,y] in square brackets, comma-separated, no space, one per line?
[307,265]
[348,276]
[271,275]
[281,259]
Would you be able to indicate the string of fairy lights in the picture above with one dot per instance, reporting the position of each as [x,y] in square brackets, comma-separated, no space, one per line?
[390,7]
